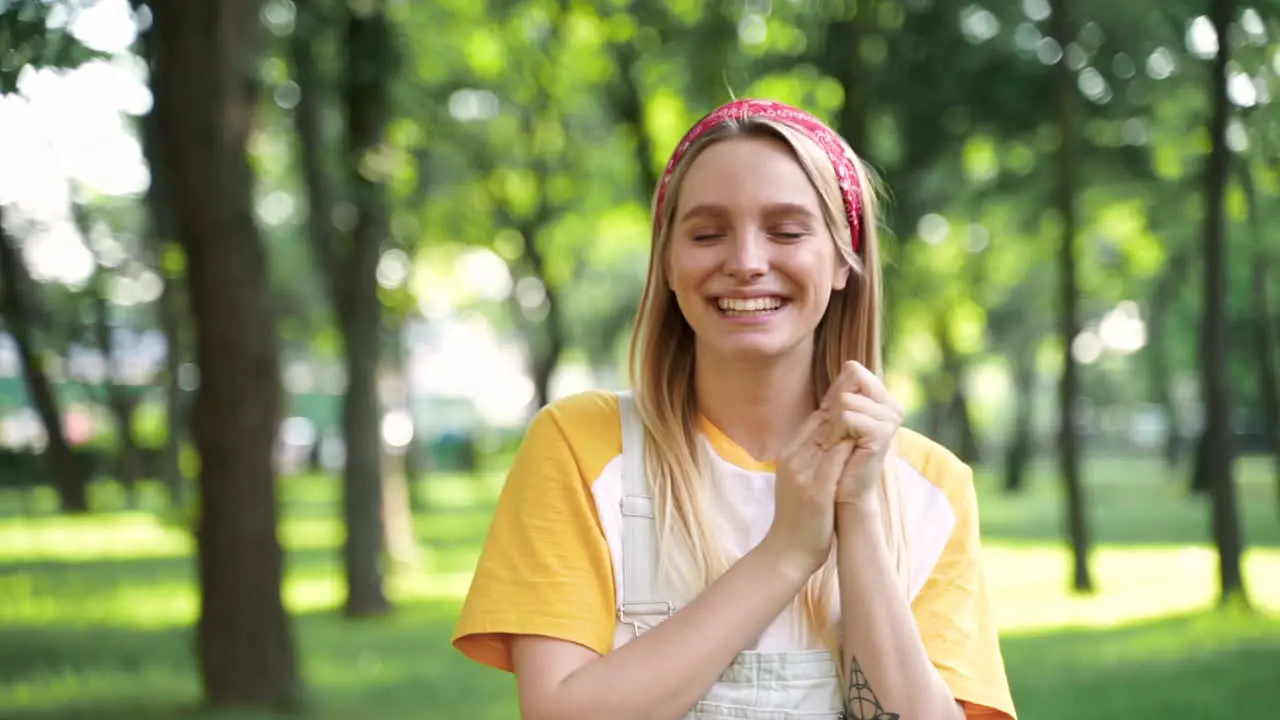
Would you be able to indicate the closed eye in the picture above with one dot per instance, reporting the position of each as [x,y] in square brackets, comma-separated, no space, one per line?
[790,233]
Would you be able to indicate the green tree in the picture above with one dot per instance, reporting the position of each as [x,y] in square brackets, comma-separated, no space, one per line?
[204,84]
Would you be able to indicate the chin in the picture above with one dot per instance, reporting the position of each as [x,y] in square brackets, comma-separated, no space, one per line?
[760,348]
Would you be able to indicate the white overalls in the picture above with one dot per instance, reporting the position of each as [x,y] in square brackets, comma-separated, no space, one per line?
[756,685]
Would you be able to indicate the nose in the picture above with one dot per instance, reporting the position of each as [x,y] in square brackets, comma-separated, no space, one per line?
[748,255]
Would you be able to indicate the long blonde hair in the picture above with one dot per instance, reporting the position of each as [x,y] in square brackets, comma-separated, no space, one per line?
[662,377]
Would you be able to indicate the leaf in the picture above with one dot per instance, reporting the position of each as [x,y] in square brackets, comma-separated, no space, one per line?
[485,53]
[981,164]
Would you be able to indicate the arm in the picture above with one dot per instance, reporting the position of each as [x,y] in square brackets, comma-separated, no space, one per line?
[666,670]
[888,671]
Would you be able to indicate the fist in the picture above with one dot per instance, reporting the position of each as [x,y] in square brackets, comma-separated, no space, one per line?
[859,409]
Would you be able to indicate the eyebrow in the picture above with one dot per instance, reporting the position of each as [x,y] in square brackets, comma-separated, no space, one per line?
[783,208]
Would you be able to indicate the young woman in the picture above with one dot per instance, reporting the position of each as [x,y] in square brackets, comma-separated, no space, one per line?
[750,534]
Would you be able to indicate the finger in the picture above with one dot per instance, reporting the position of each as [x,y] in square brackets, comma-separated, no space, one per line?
[837,386]
[808,434]
[846,381]
[859,403]
[869,384]
[865,431]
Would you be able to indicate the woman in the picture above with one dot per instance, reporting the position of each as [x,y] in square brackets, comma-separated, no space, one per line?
[751,535]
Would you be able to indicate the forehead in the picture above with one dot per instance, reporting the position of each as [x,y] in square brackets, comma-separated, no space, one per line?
[741,173]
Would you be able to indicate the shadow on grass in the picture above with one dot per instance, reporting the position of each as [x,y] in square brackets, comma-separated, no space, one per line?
[400,666]
[1200,667]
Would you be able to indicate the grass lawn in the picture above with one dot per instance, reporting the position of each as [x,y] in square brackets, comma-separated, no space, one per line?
[95,612]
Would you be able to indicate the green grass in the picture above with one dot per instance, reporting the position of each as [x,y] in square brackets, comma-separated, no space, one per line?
[95,612]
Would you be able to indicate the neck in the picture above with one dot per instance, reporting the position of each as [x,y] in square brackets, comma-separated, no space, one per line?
[757,404]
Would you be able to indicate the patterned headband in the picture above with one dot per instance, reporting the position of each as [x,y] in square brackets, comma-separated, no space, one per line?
[812,127]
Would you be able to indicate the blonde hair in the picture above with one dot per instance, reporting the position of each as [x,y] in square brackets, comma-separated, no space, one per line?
[662,377]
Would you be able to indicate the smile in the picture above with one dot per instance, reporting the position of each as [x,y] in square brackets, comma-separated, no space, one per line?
[749,306]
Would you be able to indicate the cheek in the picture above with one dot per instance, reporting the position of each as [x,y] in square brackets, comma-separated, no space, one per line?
[687,268]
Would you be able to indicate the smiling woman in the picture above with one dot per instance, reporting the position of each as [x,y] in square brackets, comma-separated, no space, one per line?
[736,230]
[749,533]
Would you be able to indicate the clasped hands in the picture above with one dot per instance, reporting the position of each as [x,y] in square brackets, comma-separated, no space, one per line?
[833,461]
[858,410]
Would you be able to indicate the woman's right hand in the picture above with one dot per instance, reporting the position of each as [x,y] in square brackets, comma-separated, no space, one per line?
[804,497]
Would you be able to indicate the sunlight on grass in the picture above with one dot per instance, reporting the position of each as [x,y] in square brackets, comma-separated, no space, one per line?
[1029,583]
[1130,501]
[462,491]
[312,533]
[66,599]
[94,537]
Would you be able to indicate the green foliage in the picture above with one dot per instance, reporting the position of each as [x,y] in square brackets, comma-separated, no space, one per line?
[34,33]
[513,136]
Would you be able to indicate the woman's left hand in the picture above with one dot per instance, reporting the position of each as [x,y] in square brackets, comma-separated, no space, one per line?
[861,410]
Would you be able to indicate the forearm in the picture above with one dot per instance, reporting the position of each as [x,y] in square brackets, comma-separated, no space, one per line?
[888,672]
[669,668]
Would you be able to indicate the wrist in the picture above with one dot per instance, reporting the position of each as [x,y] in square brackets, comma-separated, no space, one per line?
[862,511]
[791,568]
[860,527]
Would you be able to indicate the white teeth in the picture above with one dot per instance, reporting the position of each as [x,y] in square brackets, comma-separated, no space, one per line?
[738,305]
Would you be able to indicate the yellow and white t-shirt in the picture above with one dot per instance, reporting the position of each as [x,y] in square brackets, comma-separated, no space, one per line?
[551,562]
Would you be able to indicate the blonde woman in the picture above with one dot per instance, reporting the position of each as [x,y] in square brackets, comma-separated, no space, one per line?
[749,534]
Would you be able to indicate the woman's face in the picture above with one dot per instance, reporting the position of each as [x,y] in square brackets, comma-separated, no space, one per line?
[751,261]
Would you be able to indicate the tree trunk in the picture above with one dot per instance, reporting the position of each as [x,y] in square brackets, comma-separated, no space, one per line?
[545,335]
[67,476]
[1069,321]
[119,402]
[176,400]
[410,466]
[1264,325]
[397,514]
[369,63]
[1018,452]
[1157,357]
[1218,441]
[205,90]
[953,368]
[308,119]
[161,240]
[547,349]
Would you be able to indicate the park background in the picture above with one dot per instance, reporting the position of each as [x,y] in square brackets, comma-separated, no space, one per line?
[282,282]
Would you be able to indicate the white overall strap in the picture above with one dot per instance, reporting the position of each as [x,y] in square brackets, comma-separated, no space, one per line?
[640,596]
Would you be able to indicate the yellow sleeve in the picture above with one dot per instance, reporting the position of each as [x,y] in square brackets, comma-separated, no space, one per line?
[545,568]
[953,610]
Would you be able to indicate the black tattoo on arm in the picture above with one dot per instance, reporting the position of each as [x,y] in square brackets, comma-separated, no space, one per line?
[860,702]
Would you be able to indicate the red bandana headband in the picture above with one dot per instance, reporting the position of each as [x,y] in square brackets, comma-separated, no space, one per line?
[812,127]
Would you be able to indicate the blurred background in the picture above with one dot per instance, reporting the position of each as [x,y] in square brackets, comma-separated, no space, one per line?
[281,284]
